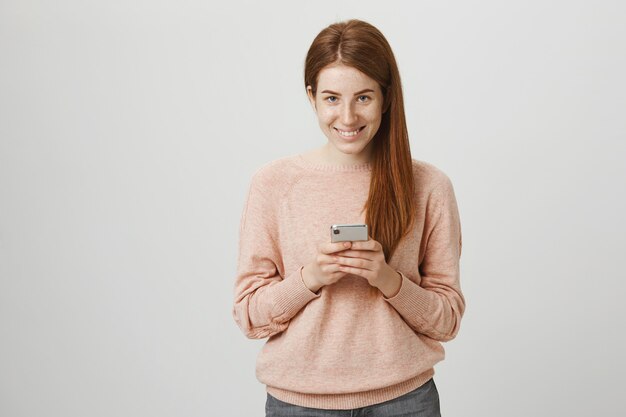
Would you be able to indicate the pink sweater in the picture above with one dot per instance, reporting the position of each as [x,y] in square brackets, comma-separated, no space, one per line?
[347,346]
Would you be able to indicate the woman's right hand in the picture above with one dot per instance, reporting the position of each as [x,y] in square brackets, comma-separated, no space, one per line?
[324,271]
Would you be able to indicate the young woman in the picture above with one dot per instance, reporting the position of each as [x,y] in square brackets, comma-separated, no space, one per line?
[351,326]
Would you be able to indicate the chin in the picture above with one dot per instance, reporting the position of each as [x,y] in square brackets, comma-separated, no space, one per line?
[348,147]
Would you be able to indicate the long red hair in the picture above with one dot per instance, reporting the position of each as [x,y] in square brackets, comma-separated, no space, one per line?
[390,204]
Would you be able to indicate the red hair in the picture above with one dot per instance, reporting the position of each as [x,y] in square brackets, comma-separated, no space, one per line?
[390,204]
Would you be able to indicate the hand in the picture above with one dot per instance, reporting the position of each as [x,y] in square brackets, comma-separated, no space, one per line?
[324,270]
[367,260]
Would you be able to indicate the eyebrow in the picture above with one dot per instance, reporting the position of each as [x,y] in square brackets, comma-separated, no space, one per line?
[367,90]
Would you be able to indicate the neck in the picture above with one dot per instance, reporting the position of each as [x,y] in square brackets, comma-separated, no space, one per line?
[328,154]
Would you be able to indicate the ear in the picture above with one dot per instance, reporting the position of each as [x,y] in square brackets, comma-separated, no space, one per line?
[309,92]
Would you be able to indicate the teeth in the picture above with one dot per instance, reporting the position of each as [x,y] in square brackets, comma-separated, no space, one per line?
[348,133]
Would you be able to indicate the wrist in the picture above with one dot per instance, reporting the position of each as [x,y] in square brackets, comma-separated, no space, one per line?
[390,283]
[309,279]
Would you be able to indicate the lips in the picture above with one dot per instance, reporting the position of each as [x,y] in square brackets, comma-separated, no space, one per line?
[349,133]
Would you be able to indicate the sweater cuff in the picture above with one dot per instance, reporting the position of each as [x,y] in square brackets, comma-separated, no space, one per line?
[293,294]
[411,299]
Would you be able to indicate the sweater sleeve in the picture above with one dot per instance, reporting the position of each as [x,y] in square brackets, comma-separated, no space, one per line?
[265,299]
[435,306]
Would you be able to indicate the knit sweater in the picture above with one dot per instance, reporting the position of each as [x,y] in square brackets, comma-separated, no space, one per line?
[346,346]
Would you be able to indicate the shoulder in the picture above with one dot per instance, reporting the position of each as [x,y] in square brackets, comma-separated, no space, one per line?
[430,177]
[277,175]
[435,187]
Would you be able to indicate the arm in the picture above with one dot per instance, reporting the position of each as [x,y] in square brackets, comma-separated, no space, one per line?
[435,306]
[265,299]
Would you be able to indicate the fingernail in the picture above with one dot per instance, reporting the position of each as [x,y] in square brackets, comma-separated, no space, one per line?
[346,244]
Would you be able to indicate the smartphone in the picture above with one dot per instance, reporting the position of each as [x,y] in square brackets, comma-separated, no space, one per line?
[348,232]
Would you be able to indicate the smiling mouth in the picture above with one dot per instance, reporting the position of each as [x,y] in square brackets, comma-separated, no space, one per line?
[347,133]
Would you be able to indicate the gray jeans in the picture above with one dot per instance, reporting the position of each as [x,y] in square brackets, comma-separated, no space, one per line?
[421,402]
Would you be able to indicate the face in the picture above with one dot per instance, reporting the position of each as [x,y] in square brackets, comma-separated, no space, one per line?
[349,107]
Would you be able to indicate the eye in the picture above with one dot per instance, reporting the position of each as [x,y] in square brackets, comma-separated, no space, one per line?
[331,99]
[363,98]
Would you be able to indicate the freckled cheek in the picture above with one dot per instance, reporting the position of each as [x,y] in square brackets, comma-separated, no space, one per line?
[327,116]
[374,113]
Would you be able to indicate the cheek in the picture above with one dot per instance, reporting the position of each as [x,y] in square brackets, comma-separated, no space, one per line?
[374,115]
[325,116]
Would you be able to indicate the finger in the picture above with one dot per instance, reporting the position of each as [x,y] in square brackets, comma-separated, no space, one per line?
[354,262]
[331,269]
[364,273]
[363,254]
[325,259]
[333,273]
[370,245]
[328,248]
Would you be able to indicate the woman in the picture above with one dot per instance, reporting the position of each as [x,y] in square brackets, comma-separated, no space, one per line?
[354,325]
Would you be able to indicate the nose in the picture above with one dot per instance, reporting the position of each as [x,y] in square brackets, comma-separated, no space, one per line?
[348,115]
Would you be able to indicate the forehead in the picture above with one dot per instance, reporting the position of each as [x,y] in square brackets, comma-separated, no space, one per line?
[343,77]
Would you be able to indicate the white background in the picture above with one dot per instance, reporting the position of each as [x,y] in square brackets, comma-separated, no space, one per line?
[129,131]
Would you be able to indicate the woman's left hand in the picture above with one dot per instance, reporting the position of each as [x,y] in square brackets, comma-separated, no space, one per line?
[367,259]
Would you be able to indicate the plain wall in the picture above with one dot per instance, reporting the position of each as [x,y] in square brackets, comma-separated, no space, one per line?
[128,135]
